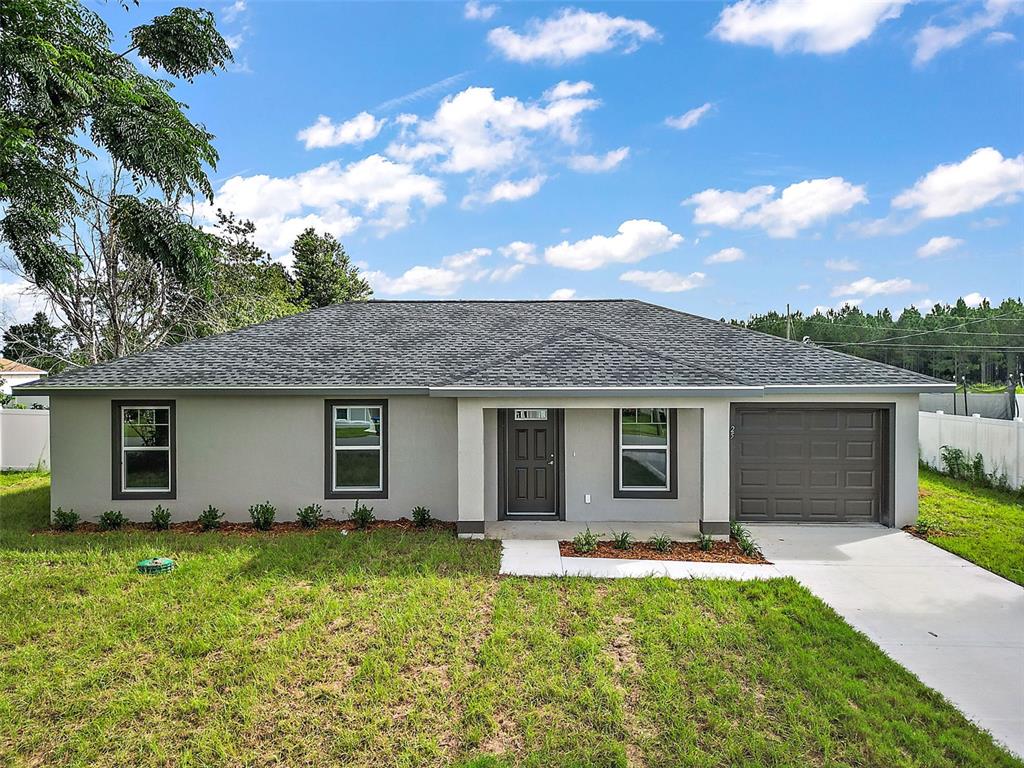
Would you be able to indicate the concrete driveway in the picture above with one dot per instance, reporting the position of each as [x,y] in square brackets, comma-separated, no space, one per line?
[956,626]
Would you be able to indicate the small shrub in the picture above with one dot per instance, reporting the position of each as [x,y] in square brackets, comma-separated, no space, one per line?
[65,521]
[362,515]
[923,527]
[622,540]
[585,542]
[310,516]
[111,520]
[161,518]
[421,516]
[262,515]
[737,531]
[705,542]
[210,518]
[660,543]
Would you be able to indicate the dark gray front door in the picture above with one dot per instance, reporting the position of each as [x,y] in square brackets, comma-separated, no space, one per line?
[807,464]
[530,459]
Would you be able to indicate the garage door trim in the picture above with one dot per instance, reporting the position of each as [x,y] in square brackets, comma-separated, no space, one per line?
[887,412]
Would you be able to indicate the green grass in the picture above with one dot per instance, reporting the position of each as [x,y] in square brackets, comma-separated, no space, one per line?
[386,649]
[983,525]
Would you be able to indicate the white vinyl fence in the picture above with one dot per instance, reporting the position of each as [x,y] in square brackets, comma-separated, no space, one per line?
[1000,442]
[24,438]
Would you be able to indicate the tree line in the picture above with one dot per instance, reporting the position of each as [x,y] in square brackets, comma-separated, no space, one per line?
[981,344]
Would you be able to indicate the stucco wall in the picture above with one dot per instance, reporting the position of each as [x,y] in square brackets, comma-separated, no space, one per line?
[590,459]
[233,451]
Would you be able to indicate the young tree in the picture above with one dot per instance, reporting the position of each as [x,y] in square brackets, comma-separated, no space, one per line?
[323,272]
[65,93]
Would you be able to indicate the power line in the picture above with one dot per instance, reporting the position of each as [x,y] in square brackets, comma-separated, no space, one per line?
[923,333]
[915,346]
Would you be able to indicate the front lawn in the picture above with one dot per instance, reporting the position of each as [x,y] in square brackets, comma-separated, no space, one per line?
[405,649]
[983,525]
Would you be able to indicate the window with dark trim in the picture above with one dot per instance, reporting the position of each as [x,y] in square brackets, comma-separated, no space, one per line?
[645,453]
[356,449]
[143,443]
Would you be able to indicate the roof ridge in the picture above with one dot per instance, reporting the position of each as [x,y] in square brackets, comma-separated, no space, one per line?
[673,358]
[497,360]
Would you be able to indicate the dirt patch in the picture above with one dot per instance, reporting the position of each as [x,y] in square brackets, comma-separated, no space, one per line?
[277,529]
[720,552]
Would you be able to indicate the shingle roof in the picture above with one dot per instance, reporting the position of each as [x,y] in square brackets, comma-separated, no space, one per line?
[13,366]
[465,344]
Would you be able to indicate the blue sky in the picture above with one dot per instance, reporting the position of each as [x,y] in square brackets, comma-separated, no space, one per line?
[720,158]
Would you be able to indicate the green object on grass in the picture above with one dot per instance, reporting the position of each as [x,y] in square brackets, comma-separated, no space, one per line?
[156,565]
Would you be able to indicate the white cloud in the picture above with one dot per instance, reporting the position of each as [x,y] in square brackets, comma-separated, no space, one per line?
[566,90]
[636,240]
[974,299]
[804,287]
[984,177]
[339,199]
[934,39]
[504,274]
[525,253]
[506,191]
[235,41]
[687,120]
[663,281]
[938,245]
[725,256]
[798,207]
[465,260]
[563,294]
[599,163]
[324,133]
[19,302]
[925,304]
[476,12]
[869,286]
[808,26]
[233,11]
[473,131]
[841,265]
[998,38]
[569,35]
[431,281]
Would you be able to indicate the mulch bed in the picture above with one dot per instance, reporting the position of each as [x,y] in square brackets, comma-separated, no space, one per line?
[247,529]
[720,552]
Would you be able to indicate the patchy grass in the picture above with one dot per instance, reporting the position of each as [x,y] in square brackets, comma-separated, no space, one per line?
[983,525]
[405,649]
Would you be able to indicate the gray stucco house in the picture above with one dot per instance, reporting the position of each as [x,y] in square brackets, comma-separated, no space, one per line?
[582,411]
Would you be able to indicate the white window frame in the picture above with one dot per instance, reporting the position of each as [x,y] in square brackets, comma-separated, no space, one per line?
[381,426]
[666,448]
[164,448]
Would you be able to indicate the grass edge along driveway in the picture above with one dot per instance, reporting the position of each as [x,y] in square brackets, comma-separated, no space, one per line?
[386,649]
[983,525]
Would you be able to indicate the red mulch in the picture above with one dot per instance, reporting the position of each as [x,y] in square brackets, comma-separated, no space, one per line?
[247,529]
[720,552]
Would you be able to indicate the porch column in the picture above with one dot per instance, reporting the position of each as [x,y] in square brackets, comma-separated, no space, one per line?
[714,519]
[471,469]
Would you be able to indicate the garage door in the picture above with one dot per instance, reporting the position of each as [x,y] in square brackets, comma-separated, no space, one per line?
[818,465]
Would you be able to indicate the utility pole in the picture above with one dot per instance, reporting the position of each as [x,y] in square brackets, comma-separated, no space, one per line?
[789,324]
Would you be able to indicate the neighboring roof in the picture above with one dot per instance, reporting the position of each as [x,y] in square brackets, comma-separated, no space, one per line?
[13,366]
[458,345]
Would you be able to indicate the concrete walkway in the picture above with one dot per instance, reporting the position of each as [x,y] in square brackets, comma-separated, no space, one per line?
[956,626]
[532,557]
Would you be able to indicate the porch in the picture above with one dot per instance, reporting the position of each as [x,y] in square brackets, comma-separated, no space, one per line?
[580,477]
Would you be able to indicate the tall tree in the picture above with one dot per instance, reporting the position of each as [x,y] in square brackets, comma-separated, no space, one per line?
[323,272]
[66,97]
[37,343]
[248,287]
